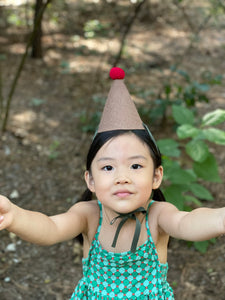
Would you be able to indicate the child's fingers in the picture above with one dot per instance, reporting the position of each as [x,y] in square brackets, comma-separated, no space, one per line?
[4,204]
[5,212]
[5,221]
[1,221]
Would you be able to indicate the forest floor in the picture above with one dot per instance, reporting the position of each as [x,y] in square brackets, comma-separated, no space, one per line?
[42,154]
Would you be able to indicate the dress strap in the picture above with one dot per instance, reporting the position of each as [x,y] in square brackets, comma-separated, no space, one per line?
[149,205]
[100,220]
[147,225]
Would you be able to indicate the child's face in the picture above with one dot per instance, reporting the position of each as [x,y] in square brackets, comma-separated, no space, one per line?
[122,174]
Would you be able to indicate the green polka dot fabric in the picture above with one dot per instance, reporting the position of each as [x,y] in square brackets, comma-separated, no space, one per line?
[127,275]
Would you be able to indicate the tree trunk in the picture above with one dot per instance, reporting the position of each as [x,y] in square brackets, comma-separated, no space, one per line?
[37,42]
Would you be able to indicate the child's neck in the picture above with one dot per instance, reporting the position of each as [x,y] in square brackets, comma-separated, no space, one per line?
[128,223]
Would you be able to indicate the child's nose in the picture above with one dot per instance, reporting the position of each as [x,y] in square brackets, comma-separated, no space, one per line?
[122,178]
[121,181]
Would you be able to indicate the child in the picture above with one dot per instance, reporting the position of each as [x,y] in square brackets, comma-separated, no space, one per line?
[125,232]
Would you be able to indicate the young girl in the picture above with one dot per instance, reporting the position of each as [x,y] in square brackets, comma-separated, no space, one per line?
[125,232]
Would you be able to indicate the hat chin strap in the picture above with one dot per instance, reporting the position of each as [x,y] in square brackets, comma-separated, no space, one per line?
[125,217]
[150,134]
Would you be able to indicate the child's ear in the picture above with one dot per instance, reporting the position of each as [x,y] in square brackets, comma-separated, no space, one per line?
[157,179]
[89,181]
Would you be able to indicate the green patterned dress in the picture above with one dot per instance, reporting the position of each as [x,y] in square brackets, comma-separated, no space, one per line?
[127,275]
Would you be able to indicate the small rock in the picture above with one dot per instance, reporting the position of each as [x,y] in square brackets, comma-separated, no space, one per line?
[11,248]
[16,260]
[7,150]
[14,194]
[47,280]
[12,235]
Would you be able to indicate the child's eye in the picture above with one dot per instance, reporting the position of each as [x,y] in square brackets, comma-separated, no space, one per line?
[136,166]
[107,168]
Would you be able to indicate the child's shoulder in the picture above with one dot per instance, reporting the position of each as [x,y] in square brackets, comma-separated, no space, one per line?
[88,211]
[159,207]
[92,206]
[87,207]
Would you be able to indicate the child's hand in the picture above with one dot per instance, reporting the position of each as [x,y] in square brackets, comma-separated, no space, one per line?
[6,216]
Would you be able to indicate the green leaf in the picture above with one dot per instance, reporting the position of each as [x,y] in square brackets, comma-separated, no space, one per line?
[217,79]
[214,118]
[214,135]
[203,87]
[173,194]
[167,89]
[157,112]
[65,64]
[193,200]
[208,76]
[197,150]
[181,176]
[208,169]
[184,73]
[213,240]
[169,147]
[182,115]
[175,174]
[37,102]
[202,246]
[200,191]
[3,57]
[169,166]
[186,130]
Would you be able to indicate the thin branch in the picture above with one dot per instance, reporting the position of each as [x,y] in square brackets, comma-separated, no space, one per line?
[127,29]
[222,5]
[196,31]
[20,67]
[179,59]
[1,95]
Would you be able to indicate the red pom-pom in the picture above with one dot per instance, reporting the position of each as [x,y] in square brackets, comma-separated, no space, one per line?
[117,73]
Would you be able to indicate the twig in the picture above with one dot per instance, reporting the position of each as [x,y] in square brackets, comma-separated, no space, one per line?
[180,58]
[196,32]
[222,5]
[127,29]
[1,95]
[20,68]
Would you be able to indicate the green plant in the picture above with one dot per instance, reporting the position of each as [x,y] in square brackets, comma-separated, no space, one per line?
[15,18]
[188,160]
[36,102]
[65,66]
[53,152]
[193,91]
[188,92]
[95,27]
[90,120]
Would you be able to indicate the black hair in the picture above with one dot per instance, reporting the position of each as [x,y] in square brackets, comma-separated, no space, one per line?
[143,134]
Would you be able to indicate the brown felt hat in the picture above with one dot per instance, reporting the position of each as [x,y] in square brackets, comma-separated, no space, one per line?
[120,111]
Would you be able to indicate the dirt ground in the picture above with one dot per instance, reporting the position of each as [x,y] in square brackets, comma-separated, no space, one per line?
[42,154]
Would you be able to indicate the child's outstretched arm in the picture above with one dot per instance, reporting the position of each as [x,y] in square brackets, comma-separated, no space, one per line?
[38,228]
[197,225]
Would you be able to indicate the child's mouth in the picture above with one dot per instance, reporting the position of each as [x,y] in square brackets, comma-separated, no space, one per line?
[122,194]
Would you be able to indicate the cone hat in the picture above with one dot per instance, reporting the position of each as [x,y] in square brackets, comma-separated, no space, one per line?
[120,111]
